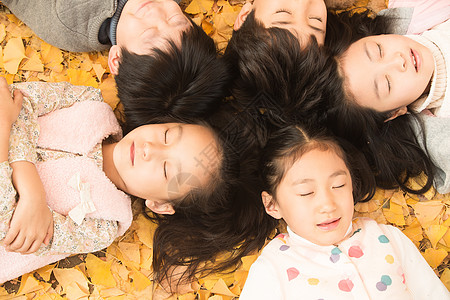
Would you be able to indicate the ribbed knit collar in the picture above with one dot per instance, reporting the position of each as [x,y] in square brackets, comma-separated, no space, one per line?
[115,20]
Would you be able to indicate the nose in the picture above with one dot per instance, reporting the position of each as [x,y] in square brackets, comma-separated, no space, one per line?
[151,151]
[397,62]
[328,202]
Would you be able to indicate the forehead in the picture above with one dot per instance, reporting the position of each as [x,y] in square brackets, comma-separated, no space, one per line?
[322,160]
[300,17]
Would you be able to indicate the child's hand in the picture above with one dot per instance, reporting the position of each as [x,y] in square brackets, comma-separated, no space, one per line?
[31,225]
[9,107]
[32,222]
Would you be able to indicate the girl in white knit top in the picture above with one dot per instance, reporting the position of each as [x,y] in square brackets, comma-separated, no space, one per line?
[395,73]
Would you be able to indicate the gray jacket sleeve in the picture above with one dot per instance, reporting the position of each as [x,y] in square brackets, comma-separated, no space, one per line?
[71,25]
[400,18]
[437,139]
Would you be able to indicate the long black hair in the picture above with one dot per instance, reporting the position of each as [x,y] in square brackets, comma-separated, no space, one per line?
[230,219]
[392,147]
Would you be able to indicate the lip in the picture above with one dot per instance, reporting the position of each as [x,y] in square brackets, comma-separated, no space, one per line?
[132,153]
[416,56]
[330,224]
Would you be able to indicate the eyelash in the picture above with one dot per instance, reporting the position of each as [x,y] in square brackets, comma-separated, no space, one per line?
[338,187]
[316,18]
[379,49]
[284,11]
[307,194]
[165,142]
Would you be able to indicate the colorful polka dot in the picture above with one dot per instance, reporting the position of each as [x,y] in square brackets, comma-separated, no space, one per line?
[381,286]
[386,279]
[355,251]
[292,273]
[313,281]
[284,247]
[389,259]
[383,239]
[345,285]
[336,251]
[384,283]
[334,258]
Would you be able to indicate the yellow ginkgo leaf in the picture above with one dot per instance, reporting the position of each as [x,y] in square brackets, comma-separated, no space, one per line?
[52,57]
[187,296]
[394,214]
[109,92]
[445,278]
[228,12]
[130,252]
[426,212]
[46,271]
[221,288]
[140,282]
[2,32]
[80,77]
[146,258]
[434,257]
[203,294]
[240,276]
[414,231]
[29,284]
[112,292]
[199,6]
[13,53]
[247,261]
[34,63]
[145,230]
[435,233]
[99,71]
[76,291]
[99,271]
[67,277]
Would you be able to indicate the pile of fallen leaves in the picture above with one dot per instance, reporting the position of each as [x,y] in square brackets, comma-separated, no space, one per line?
[122,271]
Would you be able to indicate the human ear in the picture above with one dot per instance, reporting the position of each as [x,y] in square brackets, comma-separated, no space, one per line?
[242,16]
[270,205]
[114,57]
[160,208]
[397,113]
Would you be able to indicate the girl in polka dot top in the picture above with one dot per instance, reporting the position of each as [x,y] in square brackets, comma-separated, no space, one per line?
[312,182]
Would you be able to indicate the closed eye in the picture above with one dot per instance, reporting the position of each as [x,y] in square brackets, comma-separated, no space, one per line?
[339,186]
[379,50]
[316,18]
[165,136]
[283,11]
[388,83]
[165,170]
[306,194]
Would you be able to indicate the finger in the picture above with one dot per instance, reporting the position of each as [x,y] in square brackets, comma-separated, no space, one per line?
[18,98]
[49,235]
[17,243]
[33,248]
[25,245]
[10,236]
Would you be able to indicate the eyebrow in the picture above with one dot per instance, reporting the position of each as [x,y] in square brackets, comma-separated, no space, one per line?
[306,180]
[375,83]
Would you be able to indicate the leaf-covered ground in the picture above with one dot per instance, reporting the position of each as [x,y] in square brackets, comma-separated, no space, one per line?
[122,271]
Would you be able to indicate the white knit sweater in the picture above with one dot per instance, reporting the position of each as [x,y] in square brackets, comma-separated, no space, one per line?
[438,41]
